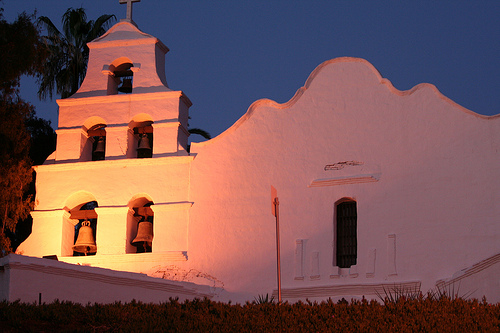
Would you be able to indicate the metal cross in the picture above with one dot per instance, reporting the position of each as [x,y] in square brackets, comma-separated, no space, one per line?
[129,7]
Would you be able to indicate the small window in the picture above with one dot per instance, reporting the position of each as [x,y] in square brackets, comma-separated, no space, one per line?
[346,234]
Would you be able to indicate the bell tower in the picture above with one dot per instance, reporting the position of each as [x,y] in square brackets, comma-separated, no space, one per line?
[115,192]
[124,103]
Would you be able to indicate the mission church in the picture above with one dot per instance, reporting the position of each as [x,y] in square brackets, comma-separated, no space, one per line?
[374,189]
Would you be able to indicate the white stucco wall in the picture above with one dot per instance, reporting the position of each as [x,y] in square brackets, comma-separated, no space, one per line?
[437,192]
[422,169]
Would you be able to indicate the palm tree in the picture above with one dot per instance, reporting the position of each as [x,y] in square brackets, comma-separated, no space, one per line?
[68,52]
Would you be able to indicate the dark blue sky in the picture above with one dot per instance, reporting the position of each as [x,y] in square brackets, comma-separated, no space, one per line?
[227,54]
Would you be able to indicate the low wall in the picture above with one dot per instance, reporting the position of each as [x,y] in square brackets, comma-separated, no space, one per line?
[30,279]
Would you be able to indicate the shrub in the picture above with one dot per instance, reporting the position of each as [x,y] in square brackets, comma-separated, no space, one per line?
[401,314]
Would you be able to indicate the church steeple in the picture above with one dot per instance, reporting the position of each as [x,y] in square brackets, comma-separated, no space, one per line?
[123,98]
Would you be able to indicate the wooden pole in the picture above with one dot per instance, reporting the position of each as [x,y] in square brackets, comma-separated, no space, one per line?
[278,256]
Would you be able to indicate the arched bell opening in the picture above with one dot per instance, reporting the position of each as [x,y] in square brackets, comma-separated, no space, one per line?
[97,136]
[141,138]
[144,136]
[93,139]
[140,226]
[84,241]
[120,76]
[125,76]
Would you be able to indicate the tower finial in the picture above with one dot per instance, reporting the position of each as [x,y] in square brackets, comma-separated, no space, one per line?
[129,8]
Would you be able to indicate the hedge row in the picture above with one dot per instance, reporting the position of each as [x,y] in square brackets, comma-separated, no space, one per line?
[402,315]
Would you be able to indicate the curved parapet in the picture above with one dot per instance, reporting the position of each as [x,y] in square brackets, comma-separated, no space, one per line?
[352,73]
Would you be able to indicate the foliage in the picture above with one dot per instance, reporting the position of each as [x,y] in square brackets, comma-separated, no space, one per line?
[261,299]
[43,139]
[68,52]
[396,293]
[15,167]
[427,315]
[42,144]
[392,295]
[21,53]
[450,291]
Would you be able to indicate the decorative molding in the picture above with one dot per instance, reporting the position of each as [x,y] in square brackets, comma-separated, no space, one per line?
[166,124]
[341,165]
[353,271]
[372,256]
[107,99]
[299,259]
[345,180]
[124,162]
[391,254]
[335,272]
[102,260]
[469,271]
[372,289]
[53,213]
[135,67]
[169,206]
[315,266]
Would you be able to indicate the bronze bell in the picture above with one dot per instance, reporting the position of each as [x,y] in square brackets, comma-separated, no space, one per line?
[100,147]
[144,143]
[144,234]
[85,242]
[126,87]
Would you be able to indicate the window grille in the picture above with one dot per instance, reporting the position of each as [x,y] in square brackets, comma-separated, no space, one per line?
[346,232]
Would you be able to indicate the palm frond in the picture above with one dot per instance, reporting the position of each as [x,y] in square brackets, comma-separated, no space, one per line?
[100,26]
[46,23]
[201,132]
[68,53]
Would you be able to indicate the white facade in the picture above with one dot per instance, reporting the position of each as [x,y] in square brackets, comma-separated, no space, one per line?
[422,171]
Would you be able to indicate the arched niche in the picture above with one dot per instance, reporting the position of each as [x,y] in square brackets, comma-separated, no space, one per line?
[121,76]
[79,207]
[140,136]
[139,211]
[93,141]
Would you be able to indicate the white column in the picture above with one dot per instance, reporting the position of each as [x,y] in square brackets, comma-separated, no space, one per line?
[111,233]
[170,226]
[46,236]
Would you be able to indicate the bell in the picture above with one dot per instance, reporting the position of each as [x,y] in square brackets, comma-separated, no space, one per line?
[144,143]
[126,87]
[85,242]
[99,148]
[144,234]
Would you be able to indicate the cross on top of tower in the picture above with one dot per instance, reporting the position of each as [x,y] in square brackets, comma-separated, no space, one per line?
[129,8]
